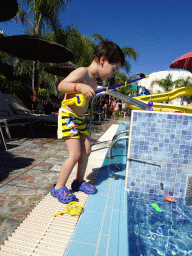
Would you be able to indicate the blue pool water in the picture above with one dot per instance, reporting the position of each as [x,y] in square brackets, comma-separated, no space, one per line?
[153,233]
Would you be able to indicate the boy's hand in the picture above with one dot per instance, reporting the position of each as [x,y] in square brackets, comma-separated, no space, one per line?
[86,90]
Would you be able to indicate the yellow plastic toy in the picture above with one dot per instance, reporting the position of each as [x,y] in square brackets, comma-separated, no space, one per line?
[167,96]
[79,100]
[72,208]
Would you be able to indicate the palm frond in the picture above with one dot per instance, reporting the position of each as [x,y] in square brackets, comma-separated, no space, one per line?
[130,52]
[98,37]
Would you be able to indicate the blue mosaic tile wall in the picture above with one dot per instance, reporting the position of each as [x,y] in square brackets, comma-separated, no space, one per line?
[160,154]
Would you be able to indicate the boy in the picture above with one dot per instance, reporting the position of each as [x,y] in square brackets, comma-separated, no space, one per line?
[107,59]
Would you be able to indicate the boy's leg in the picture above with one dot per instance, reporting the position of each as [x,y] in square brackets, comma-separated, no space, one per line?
[85,152]
[74,149]
[79,184]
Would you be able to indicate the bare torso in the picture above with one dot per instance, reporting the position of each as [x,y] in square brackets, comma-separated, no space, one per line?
[80,111]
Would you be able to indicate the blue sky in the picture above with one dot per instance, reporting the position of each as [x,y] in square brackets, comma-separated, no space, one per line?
[160,31]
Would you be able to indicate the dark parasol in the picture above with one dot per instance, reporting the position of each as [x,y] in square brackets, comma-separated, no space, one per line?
[8,9]
[62,69]
[31,47]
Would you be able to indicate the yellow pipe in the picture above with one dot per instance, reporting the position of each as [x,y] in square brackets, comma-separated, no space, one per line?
[168,96]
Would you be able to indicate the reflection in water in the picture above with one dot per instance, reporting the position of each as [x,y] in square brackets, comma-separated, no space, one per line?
[154,233]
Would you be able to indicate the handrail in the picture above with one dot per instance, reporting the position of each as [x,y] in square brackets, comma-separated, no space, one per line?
[113,143]
[118,133]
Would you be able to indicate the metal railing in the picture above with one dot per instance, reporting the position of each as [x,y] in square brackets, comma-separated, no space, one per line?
[113,143]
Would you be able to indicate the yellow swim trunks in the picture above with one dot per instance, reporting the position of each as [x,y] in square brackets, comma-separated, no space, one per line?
[70,125]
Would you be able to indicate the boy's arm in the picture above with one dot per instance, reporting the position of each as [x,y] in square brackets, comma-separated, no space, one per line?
[67,85]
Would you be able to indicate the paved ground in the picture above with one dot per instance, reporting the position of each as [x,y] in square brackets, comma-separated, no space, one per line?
[29,168]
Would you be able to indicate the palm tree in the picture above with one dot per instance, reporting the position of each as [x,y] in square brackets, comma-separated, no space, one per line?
[121,78]
[41,16]
[129,52]
[81,46]
[25,67]
[183,83]
[166,83]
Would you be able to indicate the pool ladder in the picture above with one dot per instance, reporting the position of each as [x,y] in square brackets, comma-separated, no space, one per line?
[115,140]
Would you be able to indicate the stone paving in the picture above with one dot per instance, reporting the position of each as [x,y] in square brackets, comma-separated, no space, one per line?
[29,169]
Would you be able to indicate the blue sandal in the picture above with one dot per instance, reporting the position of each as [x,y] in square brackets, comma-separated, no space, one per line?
[83,186]
[63,195]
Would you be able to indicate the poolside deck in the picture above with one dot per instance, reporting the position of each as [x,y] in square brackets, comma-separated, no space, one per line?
[33,166]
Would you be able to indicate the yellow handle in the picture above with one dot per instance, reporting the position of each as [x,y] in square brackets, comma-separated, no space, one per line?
[68,102]
[79,100]
[55,214]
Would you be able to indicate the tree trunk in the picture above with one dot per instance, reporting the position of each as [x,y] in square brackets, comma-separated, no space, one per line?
[56,84]
[35,82]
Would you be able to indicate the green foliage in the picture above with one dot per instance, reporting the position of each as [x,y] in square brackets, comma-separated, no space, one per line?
[41,16]
[118,114]
[124,90]
[2,78]
[166,83]
[183,82]
[15,87]
[110,111]
[42,90]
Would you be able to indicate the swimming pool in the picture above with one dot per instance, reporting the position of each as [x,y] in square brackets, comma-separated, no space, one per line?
[159,164]
[159,233]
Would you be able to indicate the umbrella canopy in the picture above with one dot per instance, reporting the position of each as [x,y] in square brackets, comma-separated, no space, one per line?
[183,62]
[8,9]
[63,69]
[35,48]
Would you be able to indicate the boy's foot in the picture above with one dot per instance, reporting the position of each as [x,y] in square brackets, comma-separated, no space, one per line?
[63,195]
[83,186]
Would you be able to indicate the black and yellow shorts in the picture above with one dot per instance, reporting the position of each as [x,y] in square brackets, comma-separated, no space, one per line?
[70,125]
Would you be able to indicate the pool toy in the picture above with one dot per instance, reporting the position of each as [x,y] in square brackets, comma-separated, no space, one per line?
[72,208]
[80,101]
[170,199]
[156,207]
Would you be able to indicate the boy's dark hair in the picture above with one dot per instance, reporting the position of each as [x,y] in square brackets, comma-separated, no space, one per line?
[111,51]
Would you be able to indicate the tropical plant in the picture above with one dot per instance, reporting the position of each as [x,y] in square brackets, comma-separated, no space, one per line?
[40,17]
[183,82]
[167,83]
[81,46]
[121,78]
[25,67]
